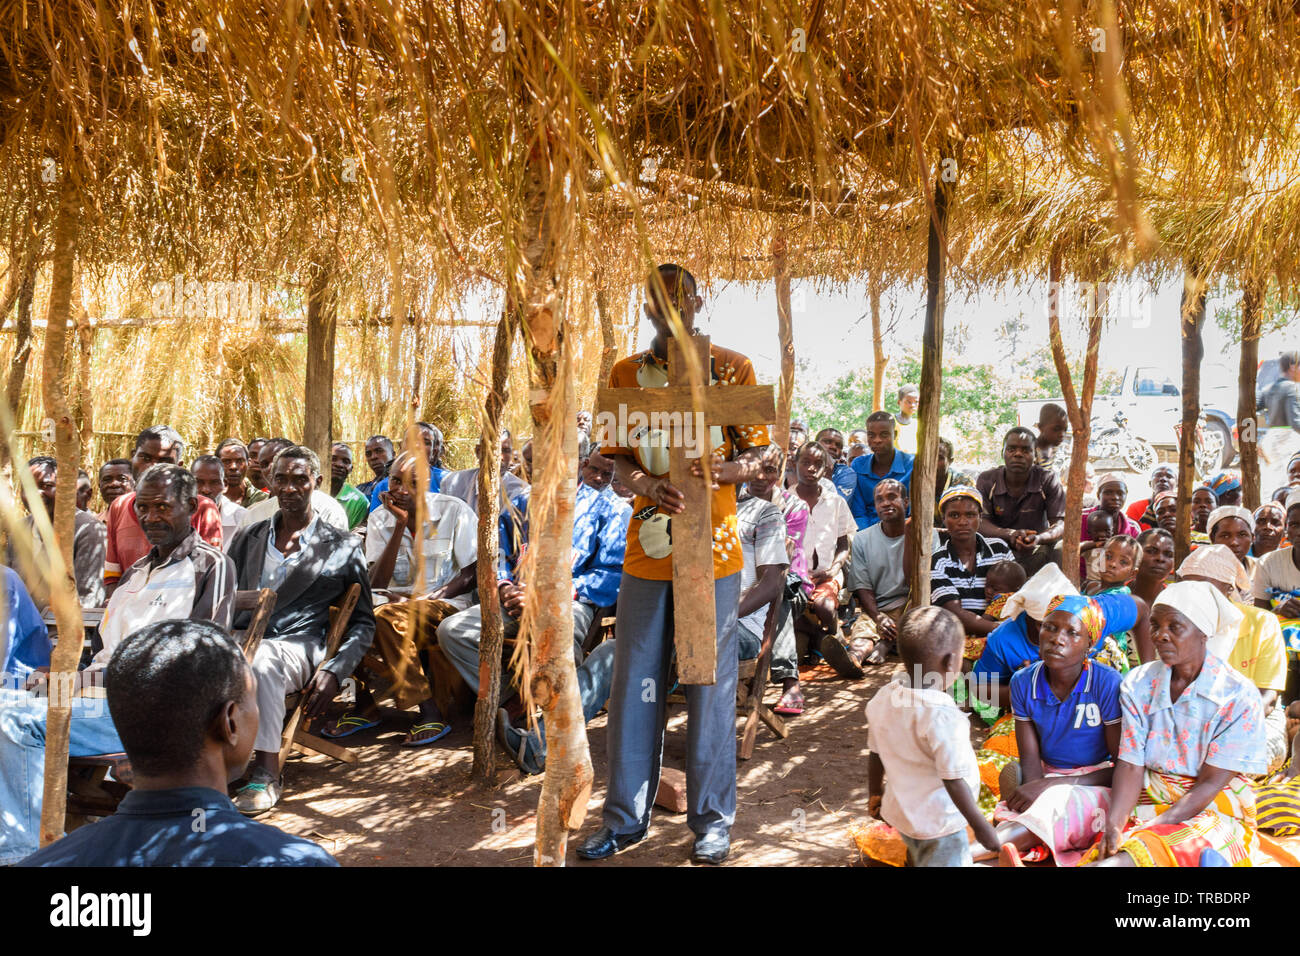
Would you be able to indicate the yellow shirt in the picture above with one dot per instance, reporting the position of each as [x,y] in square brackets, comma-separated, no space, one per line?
[1259,654]
[649,532]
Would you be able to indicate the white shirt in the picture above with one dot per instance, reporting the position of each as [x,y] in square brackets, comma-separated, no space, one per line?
[923,739]
[450,545]
[277,565]
[828,521]
[463,484]
[231,515]
[325,507]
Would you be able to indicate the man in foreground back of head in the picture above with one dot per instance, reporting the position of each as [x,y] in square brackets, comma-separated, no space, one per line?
[184,701]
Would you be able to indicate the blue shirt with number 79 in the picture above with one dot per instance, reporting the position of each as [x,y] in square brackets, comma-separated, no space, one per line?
[1071,732]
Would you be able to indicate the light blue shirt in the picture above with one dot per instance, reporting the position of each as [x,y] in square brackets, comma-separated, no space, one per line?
[1218,719]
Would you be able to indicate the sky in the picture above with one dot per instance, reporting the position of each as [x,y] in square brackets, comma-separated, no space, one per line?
[832,328]
[832,332]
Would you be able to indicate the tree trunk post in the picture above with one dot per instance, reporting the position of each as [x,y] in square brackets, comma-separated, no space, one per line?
[1252,296]
[63,594]
[608,344]
[927,441]
[1078,407]
[1192,321]
[22,347]
[489,511]
[318,407]
[548,617]
[879,360]
[785,335]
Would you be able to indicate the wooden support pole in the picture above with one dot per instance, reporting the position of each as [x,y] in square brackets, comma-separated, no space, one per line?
[22,344]
[608,344]
[548,617]
[1252,296]
[489,505]
[318,408]
[879,361]
[1078,408]
[921,528]
[785,335]
[63,594]
[1192,321]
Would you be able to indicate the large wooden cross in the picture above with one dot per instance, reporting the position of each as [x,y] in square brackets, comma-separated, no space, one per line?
[694,624]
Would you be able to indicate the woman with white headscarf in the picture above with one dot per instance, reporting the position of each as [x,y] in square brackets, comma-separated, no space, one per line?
[1257,652]
[1234,527]
[1192,730]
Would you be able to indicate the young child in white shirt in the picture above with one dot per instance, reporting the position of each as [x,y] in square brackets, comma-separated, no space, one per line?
[921,755]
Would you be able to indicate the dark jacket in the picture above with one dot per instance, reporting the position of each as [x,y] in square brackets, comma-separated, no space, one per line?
[331,562]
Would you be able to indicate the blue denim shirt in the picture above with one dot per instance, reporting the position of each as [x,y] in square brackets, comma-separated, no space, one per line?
[187,826]
[599,541]
[863,502]
[26,638]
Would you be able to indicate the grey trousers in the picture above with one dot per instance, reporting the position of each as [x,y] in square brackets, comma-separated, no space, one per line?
[283,666]
[460,634]
[637,707]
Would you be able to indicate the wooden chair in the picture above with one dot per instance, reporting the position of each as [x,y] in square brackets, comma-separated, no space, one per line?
[261,604]
[293,735]
[750,686]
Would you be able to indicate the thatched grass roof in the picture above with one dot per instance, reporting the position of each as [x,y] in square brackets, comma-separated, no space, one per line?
[391,139]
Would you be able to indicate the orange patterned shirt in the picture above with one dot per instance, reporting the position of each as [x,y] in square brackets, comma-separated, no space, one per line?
[649,533]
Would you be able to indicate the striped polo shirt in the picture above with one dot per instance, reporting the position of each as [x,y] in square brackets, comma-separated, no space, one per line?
[949,578]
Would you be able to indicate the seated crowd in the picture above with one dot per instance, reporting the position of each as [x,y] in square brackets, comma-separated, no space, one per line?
[1142,720]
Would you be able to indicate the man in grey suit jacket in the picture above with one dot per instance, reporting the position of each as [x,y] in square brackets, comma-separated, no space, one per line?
[310,565]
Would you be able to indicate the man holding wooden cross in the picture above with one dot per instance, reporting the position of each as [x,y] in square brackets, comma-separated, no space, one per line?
[681,574]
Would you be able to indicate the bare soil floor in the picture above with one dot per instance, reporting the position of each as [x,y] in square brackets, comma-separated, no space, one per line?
[402,806]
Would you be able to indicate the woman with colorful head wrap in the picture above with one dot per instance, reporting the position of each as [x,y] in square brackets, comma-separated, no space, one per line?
[1014,645]
[1067,726]
[1192,731]
[1226,486]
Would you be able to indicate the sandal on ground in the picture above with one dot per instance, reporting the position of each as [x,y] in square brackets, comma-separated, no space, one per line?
[791,704]
[439,729]
[842,658]
[347,725]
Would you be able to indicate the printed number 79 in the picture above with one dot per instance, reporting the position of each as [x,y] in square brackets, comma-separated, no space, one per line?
[1089,712]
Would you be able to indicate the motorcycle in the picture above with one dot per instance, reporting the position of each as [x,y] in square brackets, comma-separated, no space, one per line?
[1114,443]
[1207,445]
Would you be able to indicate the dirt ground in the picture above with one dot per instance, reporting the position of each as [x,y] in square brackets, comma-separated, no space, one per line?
[417,807]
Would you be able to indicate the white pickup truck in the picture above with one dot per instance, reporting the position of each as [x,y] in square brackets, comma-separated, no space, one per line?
[1150,397]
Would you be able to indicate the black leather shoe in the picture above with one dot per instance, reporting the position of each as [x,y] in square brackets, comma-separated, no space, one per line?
[604,843]
[711,848]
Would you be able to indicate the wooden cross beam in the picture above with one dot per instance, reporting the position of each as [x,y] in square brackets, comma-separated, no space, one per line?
[691,532]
